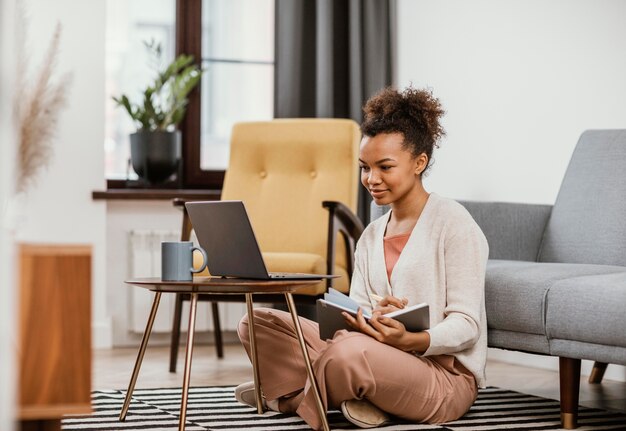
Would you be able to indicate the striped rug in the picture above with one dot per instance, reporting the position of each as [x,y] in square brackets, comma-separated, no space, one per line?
[215,408]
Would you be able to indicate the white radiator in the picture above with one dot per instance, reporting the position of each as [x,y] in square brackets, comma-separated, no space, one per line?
[144,260]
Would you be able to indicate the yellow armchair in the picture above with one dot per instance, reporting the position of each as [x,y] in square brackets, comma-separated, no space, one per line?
[283,170]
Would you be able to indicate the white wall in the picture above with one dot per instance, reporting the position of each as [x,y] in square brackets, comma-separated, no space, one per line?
[59,209]
[122,217]
[7,154]
[520,80]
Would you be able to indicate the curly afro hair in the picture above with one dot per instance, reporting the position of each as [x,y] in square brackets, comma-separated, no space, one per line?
[413,112]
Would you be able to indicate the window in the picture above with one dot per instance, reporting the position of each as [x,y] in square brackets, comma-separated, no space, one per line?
[238,56]
[236,45]
[128,70]
[234,40]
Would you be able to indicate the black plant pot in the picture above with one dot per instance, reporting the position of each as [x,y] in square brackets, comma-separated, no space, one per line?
[155,155]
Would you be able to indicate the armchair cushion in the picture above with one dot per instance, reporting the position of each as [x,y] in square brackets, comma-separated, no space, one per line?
[586,224]
[294,262]
[306,262]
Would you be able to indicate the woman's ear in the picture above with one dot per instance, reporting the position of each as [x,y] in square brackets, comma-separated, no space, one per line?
[421,162]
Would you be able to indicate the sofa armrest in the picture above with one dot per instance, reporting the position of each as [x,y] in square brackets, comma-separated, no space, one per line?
[514,231]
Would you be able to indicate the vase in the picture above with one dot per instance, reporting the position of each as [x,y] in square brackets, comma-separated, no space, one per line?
[155,155]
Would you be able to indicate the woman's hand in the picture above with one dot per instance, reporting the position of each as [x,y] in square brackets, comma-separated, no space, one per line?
[389,331]
[390,303]
[383,329]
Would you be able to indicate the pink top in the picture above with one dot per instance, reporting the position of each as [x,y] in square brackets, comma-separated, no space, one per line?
[394,245]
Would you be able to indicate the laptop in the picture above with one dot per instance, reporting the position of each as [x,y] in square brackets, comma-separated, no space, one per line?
[225,233]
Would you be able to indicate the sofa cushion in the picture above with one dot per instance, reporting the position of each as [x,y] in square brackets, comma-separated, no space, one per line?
[590,309]
[515,292]
[586,222]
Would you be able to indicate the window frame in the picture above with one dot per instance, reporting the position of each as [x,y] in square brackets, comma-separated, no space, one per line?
[189,41]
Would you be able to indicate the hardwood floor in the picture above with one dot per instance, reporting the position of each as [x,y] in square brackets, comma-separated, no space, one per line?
[112,369]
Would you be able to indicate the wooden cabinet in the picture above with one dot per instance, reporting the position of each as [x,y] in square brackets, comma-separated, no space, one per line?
[54,334]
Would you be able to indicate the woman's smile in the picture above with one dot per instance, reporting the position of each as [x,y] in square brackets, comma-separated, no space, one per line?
[378,193]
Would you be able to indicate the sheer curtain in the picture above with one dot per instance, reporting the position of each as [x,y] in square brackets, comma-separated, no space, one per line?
[330,57]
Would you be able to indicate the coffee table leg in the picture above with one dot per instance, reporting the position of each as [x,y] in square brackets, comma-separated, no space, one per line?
[142,350]
[190,333]
[253,353]
[307,361]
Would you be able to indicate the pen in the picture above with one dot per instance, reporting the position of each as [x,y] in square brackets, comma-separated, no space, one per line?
[376,297]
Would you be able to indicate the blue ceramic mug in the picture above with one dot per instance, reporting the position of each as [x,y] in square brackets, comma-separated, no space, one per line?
[177,260]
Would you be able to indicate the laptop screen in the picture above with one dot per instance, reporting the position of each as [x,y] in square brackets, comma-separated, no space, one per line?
[225,233]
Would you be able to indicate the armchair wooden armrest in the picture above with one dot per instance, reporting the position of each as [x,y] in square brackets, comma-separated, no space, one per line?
[341,219]
[185,231]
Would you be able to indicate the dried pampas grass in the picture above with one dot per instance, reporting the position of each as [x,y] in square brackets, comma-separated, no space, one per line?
[37,106]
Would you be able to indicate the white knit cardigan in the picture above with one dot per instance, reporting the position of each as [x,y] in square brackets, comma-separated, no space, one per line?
[443,264]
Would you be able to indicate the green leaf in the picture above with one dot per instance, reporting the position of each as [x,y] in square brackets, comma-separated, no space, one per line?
[123,101]
[179,114]
[187,81]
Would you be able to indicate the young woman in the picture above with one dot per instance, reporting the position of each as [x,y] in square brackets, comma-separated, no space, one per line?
[426,249]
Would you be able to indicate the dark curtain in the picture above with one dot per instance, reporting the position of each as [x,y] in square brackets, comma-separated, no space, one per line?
[330,57]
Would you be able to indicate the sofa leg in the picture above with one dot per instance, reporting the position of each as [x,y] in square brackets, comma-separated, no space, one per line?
[569,374]
[597,373]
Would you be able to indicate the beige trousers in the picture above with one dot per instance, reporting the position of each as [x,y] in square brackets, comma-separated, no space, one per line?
[354,366]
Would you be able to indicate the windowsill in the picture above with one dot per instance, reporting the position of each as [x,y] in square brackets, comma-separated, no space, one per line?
[156,194]
[131,190]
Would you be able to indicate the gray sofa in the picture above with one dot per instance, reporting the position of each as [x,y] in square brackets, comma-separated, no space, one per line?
[556,275]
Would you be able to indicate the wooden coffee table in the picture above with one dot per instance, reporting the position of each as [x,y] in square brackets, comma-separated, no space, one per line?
[222,286]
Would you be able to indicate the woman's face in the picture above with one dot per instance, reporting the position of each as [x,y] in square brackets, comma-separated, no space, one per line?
[388,170]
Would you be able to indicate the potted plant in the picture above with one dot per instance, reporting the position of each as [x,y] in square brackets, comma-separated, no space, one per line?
[155,148]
